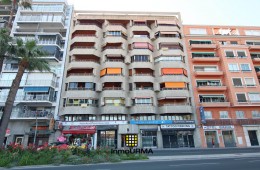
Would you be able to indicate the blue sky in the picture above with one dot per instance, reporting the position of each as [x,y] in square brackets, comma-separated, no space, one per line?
[199,12]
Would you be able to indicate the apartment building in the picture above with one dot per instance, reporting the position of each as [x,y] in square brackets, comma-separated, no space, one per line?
[4,13]
[126,81]
[224,63]
[38,97]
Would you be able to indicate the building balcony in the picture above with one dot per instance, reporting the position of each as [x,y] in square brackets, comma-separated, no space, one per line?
[168,40]
[211,88]
[163,28]
[205,59]
[254,47]
[115,51]
[140,52]
[142,27]
[142,78]
[248,103]
[172,78]
[113,109]
[39,21]
[86,26]
[256,60]
[81,64]
[44,99]
[209,73]
[112,78]
[84,38]
[116,92]
[223,122]
[169,52]
[143,108]
[81,93]
[170,64]
[115,39]
[81,77]
[215,104]
[174,108]
[168,93]
[142,93]
[203,46]
[84,51]
[31,115]
[141,65]
[114,63]
[140,39]
[115,27]
[81,109]
[8,83]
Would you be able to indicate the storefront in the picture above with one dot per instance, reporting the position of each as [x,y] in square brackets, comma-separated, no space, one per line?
[178,135]
[252,135]
[220,136]
[107,136]
[39,138]
[149,138]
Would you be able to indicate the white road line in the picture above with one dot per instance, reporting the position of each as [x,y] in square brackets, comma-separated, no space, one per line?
[196,164]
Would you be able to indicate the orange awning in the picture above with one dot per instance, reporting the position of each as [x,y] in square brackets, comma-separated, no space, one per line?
[114,70]
[177,71]
[103,72]
[174,84]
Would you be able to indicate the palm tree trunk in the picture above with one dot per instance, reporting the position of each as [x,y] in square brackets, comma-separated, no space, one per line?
[1,63]
[10,102]
[11,15]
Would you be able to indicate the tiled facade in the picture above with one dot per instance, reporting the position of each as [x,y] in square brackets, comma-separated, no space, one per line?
[127,73]
[224,64]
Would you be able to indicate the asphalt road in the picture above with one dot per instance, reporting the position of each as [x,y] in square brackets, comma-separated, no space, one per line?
[209,164]
[194,151]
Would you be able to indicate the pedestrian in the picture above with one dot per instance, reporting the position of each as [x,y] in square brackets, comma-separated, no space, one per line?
[89,146]
[213,143]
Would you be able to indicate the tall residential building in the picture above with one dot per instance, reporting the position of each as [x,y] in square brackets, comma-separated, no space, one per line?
[5,9]
[38,97]
[126,81]
[225,64]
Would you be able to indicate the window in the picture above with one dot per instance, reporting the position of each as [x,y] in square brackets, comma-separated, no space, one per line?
[233,67]
[241,54]
[199,42]
[140,58]
[143,101]
[250,82]
[230,54]
[114,101]
[245,67]
[237,82]
[255,114]
[233,42]
[208,114]
[223,115]
[240,114]
[194,55]
[114,33]
[201,31]
[241,97]
[254,97]
[113,117]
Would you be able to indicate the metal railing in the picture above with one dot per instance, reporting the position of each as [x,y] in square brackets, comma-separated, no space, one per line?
[212,100]
[33,114]
[80,74]
[85,60]
[165,88]
[112,88]
[80,88]
[174,104]
[214,122]
[36,98]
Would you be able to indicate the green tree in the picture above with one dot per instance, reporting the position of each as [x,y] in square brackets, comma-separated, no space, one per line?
[4,46]
[30,57]
[14,3]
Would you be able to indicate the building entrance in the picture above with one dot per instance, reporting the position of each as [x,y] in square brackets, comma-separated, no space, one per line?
[253,138]
[228,139]
[211,139]
[178,139]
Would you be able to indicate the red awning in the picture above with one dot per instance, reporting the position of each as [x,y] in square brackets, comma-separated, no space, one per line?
[79,131]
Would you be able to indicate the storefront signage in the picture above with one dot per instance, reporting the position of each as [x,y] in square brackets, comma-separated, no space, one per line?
[178,126]
[82,128]
[183,122]
[150,122]
[218,127]
[94,123]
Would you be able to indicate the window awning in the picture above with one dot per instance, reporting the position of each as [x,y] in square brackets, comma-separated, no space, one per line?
[114,70]
[140,45]
[169,32]
[166,71]
[103,72]
[174,84]
[36,89]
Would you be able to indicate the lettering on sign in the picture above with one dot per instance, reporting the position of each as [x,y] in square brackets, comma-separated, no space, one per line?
[218,127]
[178,126]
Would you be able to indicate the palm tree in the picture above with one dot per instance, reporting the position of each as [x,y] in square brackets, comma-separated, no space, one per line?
[30,57]
[4,46]
[14,3]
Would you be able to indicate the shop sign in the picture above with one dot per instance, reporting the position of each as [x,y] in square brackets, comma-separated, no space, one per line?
[82,128]
[94,123]
[202,115]
[150,122]
[218,127]
[178,126]
[183,122]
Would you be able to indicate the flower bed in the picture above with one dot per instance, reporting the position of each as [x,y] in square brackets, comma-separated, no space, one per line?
[16,155]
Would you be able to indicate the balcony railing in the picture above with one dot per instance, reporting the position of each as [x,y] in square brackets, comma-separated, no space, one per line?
[174,104]
[143,88]
[80,88]
[82,47]
[164,88]
[143,74]
[112,88]
[84,60]
[28,114]
[248,102]
[37,98]
[212,100]
[114,60]
[80,74]
[80,104]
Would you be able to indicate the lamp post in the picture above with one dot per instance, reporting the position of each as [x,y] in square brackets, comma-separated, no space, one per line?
[36,128]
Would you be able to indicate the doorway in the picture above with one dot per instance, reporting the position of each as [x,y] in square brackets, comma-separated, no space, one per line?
[228,139]
[211,139]
[253,138]
[149,139]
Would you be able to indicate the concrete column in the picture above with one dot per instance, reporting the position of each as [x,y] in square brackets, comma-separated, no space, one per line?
[95,140]
[159,139]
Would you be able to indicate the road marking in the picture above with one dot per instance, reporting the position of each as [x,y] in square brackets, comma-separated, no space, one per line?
[196,164]
[254,161]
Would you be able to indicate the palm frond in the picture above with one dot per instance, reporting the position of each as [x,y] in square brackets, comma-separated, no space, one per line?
[25,3]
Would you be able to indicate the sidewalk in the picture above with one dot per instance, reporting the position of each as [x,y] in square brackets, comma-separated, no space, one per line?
[196,157]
